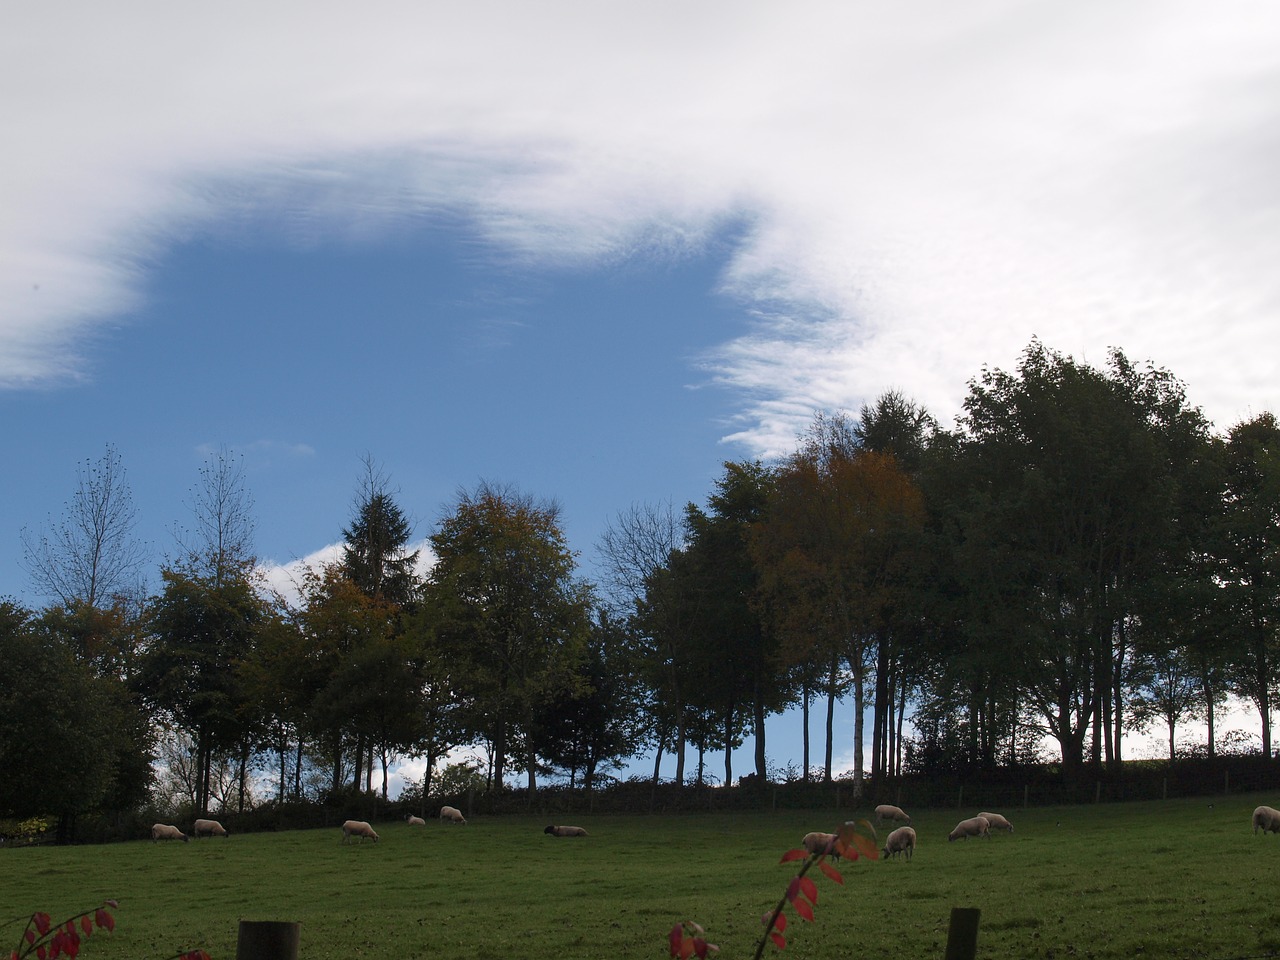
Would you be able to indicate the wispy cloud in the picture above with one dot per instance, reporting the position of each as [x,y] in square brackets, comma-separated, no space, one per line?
[928,185]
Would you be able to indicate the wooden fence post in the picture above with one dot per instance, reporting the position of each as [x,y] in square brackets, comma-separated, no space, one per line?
[268,940]
[962,934]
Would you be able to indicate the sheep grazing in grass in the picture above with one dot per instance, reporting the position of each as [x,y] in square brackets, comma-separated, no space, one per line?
[820,843]
[887,811]
[413,821]
[902,840]
[565,831]
[208,828]
[165,831]
[973,827]
[997,822]
[358,828]
[1268,818]
[452,815]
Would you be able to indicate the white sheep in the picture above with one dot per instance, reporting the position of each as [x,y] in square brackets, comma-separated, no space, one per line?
[164,831]
[452,815]
[358,828]
[997,821]
[820,843]
[973,827]
[1268,818]
[902,840]
[413,821]
[566,831]
[211,828]
[887,811]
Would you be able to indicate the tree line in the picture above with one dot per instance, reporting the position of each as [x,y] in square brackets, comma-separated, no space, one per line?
[1080,556]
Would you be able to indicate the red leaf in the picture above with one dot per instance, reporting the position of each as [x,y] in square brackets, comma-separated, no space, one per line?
[803,908]
[701,947]
[779,940]
[42,922]
[86,925]
[793,889]
[860,837]
[781,923]
[674,938]
[793,855]
[830,871]
[30,935]
[809,889]
[686,948]
[104,919]
[41,952]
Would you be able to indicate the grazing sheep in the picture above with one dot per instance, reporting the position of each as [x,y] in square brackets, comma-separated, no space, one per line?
[887,811]
[358,828]
[413,821]
[997,822]
[209,828]
[452,815]
[973,827]
[902,840]
[164,831]
[1268,818]
[820,843]
[565,831]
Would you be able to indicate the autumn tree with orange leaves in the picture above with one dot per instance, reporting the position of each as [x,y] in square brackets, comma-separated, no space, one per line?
[835,551]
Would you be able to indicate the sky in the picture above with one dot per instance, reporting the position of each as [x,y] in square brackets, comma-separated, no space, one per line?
[594,250]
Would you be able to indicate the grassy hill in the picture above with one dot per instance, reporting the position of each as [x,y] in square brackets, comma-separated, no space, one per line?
[1159,879]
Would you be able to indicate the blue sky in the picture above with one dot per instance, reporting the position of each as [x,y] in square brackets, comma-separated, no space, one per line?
[592,250]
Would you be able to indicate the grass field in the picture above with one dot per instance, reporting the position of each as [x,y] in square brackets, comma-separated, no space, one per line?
[1165,879]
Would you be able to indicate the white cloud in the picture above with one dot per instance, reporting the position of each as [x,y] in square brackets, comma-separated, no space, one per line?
[285,578]
[928,185]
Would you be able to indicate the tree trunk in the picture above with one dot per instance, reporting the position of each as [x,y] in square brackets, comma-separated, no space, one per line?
[1208,696]
[859,725]
[728,747]
[805,700]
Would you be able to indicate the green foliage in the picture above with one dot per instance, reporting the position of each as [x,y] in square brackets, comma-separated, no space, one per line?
[65,732]
[373,552]
[459,779]
[502,601]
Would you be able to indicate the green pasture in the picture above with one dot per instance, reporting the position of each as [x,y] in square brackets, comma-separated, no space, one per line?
[1161,879]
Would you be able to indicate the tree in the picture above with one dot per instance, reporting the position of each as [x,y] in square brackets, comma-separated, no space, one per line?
[502,598]
[374,555]
[736,672]
[67,735]
[201,629]
[834,551]
[598,724]
[1072,499]
[1249,562]
[90,556]
[376,561]
[638,551]
[220,547]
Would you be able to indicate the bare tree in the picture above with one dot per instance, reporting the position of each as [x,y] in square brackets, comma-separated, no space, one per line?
[638,543]
[221,544]
[90,556]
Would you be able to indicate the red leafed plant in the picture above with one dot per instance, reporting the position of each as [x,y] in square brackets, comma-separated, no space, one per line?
[45,940]
[853,840]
